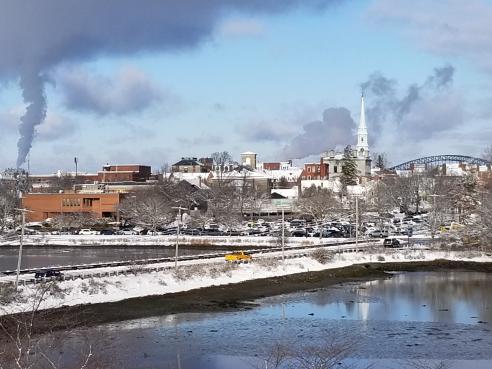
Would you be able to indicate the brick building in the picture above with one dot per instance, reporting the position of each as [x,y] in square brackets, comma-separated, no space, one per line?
[48,205]
[124,173]
[315,171]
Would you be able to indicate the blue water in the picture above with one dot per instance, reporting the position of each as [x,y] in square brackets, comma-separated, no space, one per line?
[389,323]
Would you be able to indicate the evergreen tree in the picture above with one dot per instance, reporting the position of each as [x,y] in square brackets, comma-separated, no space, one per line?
[349,169]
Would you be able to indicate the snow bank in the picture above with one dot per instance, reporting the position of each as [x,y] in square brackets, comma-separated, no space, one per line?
[193,275]
[159,240]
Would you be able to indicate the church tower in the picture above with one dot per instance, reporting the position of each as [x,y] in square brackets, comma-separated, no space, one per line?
[362,144]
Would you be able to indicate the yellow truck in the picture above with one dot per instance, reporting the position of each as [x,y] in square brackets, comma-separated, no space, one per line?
[238,256]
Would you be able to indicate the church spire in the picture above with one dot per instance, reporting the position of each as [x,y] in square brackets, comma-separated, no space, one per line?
[362,143]
[362,123]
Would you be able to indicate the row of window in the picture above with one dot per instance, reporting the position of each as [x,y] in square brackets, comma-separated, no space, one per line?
[87,202]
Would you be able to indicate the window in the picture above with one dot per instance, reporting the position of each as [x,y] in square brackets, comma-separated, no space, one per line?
[70,202]
[309,169]
[335,169]
[87,202]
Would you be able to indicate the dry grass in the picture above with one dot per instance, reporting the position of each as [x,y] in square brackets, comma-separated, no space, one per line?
[322,256]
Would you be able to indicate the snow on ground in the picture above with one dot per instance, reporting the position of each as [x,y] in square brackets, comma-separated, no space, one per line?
[160,240]
[214,272]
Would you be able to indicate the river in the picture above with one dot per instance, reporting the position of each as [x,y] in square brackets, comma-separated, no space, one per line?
[37,257]
[392,323]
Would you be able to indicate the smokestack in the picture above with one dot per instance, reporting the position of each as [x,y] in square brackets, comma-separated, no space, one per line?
[32,85]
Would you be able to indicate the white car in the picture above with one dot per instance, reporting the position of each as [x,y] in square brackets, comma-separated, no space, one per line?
[88,232]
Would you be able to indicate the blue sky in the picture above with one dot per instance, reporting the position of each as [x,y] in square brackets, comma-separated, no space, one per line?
[253,83]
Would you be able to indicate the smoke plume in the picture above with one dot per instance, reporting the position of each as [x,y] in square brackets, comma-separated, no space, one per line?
[31,83]
[36,36]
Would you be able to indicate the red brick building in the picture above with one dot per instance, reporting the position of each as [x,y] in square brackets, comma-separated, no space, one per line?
[48,205]
[315,171]
[124,173]
[271,166]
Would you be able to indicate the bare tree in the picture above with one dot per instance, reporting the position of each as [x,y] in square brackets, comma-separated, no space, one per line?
[331,353]
[28,339]
[319,204]
[220,160]
[8,202]
[487,153]
[405,192]
[224,204]
[68,221]
[380,160]
[465,196]
[148,208]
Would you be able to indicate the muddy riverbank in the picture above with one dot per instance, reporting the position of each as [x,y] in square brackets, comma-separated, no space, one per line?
[236,296]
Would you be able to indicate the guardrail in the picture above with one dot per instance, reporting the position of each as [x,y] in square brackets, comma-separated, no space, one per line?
[135,272]
[171,259]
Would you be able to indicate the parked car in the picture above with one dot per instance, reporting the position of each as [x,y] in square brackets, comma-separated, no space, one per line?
[107,232]
[127,232]
[48,273]
[87,231]
[378,233]
[391,242]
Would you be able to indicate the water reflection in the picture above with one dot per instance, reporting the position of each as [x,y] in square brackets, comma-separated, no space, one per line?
[432,316]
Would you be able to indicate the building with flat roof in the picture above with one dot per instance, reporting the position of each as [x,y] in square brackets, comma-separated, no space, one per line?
[124,173]
[49,205]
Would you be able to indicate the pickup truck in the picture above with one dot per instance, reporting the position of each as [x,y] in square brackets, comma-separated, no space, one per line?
[238,256]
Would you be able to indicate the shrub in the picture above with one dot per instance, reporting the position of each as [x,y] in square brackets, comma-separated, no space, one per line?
[7,293]
[322,256]
[381,258]
[268,263]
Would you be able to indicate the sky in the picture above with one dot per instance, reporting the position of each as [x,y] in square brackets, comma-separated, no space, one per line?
[117,82]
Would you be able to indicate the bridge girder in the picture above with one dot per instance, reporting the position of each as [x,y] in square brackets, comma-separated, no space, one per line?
[441,159]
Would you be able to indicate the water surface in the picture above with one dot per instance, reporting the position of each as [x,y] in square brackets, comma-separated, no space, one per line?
[430,316]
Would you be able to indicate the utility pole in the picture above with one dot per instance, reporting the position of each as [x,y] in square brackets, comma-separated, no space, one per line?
[356,224]
[21,243]
[177,236]
[283,235]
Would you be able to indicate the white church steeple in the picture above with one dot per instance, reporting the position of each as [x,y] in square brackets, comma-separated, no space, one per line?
[362,144]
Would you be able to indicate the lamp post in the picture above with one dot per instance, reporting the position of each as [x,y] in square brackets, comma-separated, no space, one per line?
[21,243]
[282,206]
[177,235]
[356,224]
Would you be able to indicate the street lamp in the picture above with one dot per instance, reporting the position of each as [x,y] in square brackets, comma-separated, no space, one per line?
[282,205]
[21,243]
[177,235]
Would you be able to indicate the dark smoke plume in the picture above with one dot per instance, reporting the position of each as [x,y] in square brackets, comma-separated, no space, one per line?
[39,35]
[32,84]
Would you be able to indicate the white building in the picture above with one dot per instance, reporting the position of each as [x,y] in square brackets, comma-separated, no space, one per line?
[360,152]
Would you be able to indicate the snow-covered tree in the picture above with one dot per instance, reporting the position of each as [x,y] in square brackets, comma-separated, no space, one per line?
[147,208]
